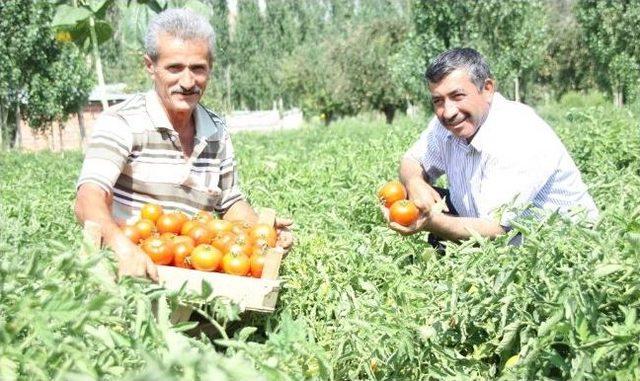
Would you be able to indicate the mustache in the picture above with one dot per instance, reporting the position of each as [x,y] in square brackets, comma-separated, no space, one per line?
[180,90]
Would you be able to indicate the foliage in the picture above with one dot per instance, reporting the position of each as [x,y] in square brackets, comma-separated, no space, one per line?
[610,30]
[360,301]
[47,78]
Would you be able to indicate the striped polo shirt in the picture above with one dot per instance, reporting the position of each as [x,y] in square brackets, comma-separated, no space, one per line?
[515,164]
[135,155]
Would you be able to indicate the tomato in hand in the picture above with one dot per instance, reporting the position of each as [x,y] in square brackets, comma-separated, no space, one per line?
[205,258]
[264,232]
[159,250]
[150,212]
[404,212]
[392,192]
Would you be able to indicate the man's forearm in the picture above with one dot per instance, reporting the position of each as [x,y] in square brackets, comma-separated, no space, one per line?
[241,211]
[410,171]
[460,228]
[92,205]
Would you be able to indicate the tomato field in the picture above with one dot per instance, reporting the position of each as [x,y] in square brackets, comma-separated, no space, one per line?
[360,302]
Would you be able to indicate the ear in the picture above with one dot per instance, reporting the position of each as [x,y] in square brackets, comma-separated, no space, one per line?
[488,89]
[149,65]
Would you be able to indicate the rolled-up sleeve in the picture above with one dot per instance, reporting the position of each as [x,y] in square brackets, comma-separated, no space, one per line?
[426,151]
[107,153]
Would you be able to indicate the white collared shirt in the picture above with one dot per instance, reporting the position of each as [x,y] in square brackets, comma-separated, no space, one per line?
[515,160]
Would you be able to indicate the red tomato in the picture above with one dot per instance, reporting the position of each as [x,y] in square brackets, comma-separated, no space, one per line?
[168,223]
[264,232]
[392,192]
[146,228]
[236,264]
[132,233]
[159,250]
[150,212]
[205,258]
[403,212]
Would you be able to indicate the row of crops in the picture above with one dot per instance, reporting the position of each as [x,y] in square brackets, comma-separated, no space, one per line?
[360,302]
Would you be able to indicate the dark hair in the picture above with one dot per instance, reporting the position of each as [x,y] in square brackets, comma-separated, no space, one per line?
[459,58]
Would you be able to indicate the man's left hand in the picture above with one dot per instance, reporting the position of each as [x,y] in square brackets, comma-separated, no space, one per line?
[285,236]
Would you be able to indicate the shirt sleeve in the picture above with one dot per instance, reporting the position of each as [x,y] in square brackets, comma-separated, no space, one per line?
[511,182]
[107,152]
[426,150]
[229,181]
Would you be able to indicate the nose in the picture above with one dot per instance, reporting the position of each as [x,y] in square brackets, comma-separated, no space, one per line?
[187,80]
[450,110]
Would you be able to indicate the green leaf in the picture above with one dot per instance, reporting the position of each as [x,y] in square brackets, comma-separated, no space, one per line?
[608,269]
[69,16]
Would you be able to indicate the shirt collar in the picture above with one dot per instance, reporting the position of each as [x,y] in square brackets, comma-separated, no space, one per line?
[482,137]
[205,126]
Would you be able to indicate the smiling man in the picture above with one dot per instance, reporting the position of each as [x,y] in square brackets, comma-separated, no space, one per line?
[499,156]
[163,146]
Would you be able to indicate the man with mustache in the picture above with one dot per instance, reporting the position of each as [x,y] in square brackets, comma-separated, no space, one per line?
[499,156]
[163,146]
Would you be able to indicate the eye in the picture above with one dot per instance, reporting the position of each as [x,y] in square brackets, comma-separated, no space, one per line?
[174,68]
[436,101]
[459,96]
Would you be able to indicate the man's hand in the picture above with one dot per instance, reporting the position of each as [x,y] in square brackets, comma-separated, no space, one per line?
[132,261]
[417,226]
[424,196]
[285,236]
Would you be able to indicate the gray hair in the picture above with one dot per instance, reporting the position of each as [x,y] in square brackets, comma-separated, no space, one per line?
[459,58]
[181,23]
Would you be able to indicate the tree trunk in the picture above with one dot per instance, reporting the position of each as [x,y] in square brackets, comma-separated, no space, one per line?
[389,113]
[96,56]
[60,128]
[17,142]
[618,100]
[232,17]
[2,121]
[83,131]
[262,8]
[227,77]
[516,89]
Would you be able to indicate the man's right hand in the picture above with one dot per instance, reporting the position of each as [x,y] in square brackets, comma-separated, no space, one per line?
[132,261]
[424,196]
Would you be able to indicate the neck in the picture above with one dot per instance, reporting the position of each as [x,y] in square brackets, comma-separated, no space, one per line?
[182,123]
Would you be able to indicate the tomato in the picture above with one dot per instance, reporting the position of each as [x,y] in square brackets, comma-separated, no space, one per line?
[168,236]
[236,264]
[223,241]
[257,264]
[159,250]
[181,217]
[205,258]
[181,254]
[264,232]
[168,223]
[132,233]
[150,212]
[258,250]
[240,227]
[403,212]
[203,216]
[183,238]
[392,192]
[188,226]
[145,228]
[219,226]
[200,234]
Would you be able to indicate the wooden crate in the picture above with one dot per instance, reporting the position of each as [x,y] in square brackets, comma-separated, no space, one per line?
[254,294]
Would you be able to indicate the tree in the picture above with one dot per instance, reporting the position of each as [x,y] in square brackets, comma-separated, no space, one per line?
[612,34]
[41,79]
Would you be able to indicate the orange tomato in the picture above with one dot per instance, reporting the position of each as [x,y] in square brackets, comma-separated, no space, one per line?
[392,192]
[257,264]
[150,212]
[182,254]
[188,226]
[168,223]
[183,238]
[181,217]
[146,228]
[205,258]
[132,233]
[219,226]
[200,234]
[159,250]
[403,212]
[203,216]
[264,232]
[223,241]
[236,264]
